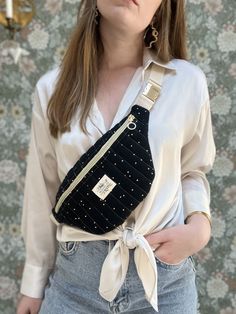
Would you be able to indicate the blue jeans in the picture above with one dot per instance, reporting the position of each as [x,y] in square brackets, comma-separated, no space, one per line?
[73,284]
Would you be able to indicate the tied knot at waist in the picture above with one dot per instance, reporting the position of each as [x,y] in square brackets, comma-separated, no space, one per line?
[116,263]
[129,237]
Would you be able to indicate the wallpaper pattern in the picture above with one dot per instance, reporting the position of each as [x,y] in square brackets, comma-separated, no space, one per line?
[212,46]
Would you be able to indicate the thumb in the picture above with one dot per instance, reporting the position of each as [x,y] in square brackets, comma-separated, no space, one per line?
[158,237]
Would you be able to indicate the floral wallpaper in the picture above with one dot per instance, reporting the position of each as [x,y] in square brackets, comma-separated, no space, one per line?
[212,46]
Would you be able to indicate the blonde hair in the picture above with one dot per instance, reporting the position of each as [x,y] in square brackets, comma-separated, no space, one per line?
[77,82]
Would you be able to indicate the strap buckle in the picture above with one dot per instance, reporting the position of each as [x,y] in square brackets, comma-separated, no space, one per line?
[152,91]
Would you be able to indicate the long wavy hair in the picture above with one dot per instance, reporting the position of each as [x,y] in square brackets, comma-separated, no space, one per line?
[76,85]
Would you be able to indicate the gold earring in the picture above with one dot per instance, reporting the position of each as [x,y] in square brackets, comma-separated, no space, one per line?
[153,35]
[96,16]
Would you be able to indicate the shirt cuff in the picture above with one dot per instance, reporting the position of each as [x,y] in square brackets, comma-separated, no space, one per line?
[199,212]
[34,280]
[195,199]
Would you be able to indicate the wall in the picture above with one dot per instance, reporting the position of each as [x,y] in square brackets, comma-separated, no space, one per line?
[212,42]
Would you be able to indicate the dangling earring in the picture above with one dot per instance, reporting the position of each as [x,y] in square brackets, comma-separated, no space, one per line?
[154,34]
[96,16]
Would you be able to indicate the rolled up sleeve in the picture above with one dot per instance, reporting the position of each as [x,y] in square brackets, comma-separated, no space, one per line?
[41,184]
[197,158]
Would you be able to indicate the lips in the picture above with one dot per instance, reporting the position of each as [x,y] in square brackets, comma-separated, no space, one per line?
[130,2]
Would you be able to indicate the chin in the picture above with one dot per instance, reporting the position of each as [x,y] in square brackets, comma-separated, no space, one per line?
[124,19]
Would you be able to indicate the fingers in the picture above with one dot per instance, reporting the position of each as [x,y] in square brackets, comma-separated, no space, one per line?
[158,237]
[28,305]
[153,247]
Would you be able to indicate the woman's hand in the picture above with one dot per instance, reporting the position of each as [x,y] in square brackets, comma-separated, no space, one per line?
[176,243]
[28,305]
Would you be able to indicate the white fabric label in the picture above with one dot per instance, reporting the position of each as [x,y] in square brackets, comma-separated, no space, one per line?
[104,186]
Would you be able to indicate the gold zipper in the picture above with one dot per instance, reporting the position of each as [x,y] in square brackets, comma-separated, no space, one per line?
[94,160]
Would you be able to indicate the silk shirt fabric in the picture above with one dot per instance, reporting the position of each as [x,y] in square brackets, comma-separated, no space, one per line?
[183,151]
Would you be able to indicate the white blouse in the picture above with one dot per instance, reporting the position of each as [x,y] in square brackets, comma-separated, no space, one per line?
[183,151]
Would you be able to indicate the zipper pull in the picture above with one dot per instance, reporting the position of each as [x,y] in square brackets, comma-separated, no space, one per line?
[131,117]
[131,125]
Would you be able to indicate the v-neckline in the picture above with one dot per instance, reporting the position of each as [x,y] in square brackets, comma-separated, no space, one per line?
[120,106]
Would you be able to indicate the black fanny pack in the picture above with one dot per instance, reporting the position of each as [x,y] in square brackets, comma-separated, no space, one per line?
[110,180]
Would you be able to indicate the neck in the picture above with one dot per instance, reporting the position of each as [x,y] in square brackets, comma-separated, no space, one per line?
[121,49]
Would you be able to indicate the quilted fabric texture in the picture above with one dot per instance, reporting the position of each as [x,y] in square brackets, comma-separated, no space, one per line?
[211,30]
[128,162]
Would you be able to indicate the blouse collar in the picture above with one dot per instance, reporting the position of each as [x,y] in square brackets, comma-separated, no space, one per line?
[149,56]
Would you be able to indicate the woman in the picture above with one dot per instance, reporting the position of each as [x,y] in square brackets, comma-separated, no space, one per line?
[76,104]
